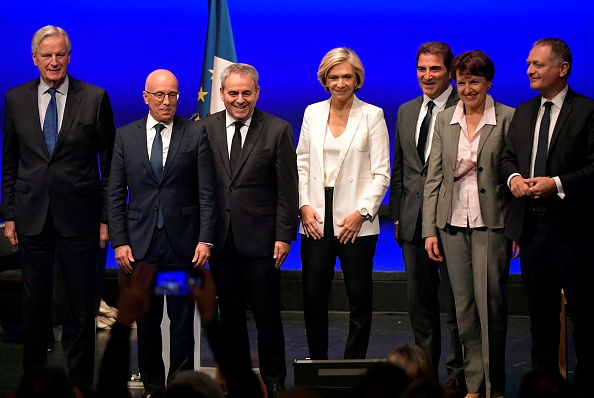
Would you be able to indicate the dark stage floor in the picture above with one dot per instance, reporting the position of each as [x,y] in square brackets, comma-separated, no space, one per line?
[389,331]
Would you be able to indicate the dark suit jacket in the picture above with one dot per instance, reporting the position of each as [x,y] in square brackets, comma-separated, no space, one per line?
[408,173]
[186,192]
[570,157]
[260,201]
[72,183]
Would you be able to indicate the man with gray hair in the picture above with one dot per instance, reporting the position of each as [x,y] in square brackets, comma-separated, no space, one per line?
[256,180]
[548,166]
[58,141]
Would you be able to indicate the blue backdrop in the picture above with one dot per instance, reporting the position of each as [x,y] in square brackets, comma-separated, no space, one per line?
[117,43]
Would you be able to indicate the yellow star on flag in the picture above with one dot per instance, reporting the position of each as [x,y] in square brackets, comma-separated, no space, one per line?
[212,73]
[202,94]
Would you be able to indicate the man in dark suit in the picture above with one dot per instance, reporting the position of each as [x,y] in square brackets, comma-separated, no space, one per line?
[548,164]
[54,195]
[414,130]
[163,163]
[257,193]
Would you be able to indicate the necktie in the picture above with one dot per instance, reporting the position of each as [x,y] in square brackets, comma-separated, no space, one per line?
[235,148]
[157,165]
[424,131]
[540,163]
[50,123]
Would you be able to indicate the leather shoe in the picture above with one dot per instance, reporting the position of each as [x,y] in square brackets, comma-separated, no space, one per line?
[274,390]
[455,388]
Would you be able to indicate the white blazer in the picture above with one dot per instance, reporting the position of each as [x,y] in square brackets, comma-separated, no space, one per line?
[364,163]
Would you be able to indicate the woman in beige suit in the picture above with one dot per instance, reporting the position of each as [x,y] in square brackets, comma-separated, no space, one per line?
[344,171]
[464,204]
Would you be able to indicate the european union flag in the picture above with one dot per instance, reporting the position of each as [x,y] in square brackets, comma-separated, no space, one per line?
[219,52]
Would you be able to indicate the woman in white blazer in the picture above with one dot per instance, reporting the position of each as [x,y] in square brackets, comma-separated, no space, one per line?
[344,171]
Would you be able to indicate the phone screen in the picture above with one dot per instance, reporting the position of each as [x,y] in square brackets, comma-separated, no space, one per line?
[172,283]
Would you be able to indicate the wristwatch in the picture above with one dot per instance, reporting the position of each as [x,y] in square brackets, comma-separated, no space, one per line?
[365,213]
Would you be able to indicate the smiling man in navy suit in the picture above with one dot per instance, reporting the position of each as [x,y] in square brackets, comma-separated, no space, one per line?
[548,165]
[58,141]
[163,164]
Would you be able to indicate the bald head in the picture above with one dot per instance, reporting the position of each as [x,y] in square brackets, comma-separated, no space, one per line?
[160,94]
[159,75]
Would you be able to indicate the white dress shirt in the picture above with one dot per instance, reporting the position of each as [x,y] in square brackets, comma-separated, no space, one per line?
[440,104]
[165,134]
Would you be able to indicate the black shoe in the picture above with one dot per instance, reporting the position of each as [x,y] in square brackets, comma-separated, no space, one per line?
[274,390]
[455,388]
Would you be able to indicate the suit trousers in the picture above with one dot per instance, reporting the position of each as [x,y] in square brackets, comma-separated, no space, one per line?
[423,279]
[478,266]
[553,259]
[77,256]
[255,282]
[180,311]
[318,259]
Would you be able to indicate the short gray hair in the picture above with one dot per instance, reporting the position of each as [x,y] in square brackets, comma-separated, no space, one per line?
[48,31]
[241,69]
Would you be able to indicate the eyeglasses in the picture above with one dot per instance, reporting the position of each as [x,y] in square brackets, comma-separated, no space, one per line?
[160,96]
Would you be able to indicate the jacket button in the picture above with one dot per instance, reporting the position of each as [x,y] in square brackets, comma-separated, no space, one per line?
[232,189]
[480,168]
[482,190]
[156,208]
[228,210]
[424,174]
[418,194]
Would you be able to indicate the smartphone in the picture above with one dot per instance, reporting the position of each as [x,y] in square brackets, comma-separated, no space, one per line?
[176,282]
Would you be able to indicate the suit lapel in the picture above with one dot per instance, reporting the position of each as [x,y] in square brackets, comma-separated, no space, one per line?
[256,126]
[450,141]
[320,123]
[73,100]
[220,138]
[562,118]
[409,142]
[486,131]
[31,102]
[141,145]
[351,128]
[177,134]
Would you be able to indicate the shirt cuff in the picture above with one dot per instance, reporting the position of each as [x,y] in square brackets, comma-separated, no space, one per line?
[512,175]
[560,192]
[210,245]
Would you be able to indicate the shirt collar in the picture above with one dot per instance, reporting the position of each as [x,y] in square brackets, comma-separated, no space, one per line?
[559,98]
[62,89]
[440,101]
[151,121]
[489,115]
[229,120]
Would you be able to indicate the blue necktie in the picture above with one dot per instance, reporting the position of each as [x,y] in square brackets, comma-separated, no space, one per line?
[157,165]
[50,123]
[540,163]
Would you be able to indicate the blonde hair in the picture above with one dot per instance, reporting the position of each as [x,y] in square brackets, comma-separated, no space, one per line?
[337,56]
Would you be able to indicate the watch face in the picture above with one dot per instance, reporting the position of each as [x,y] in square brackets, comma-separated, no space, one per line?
[364,212]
